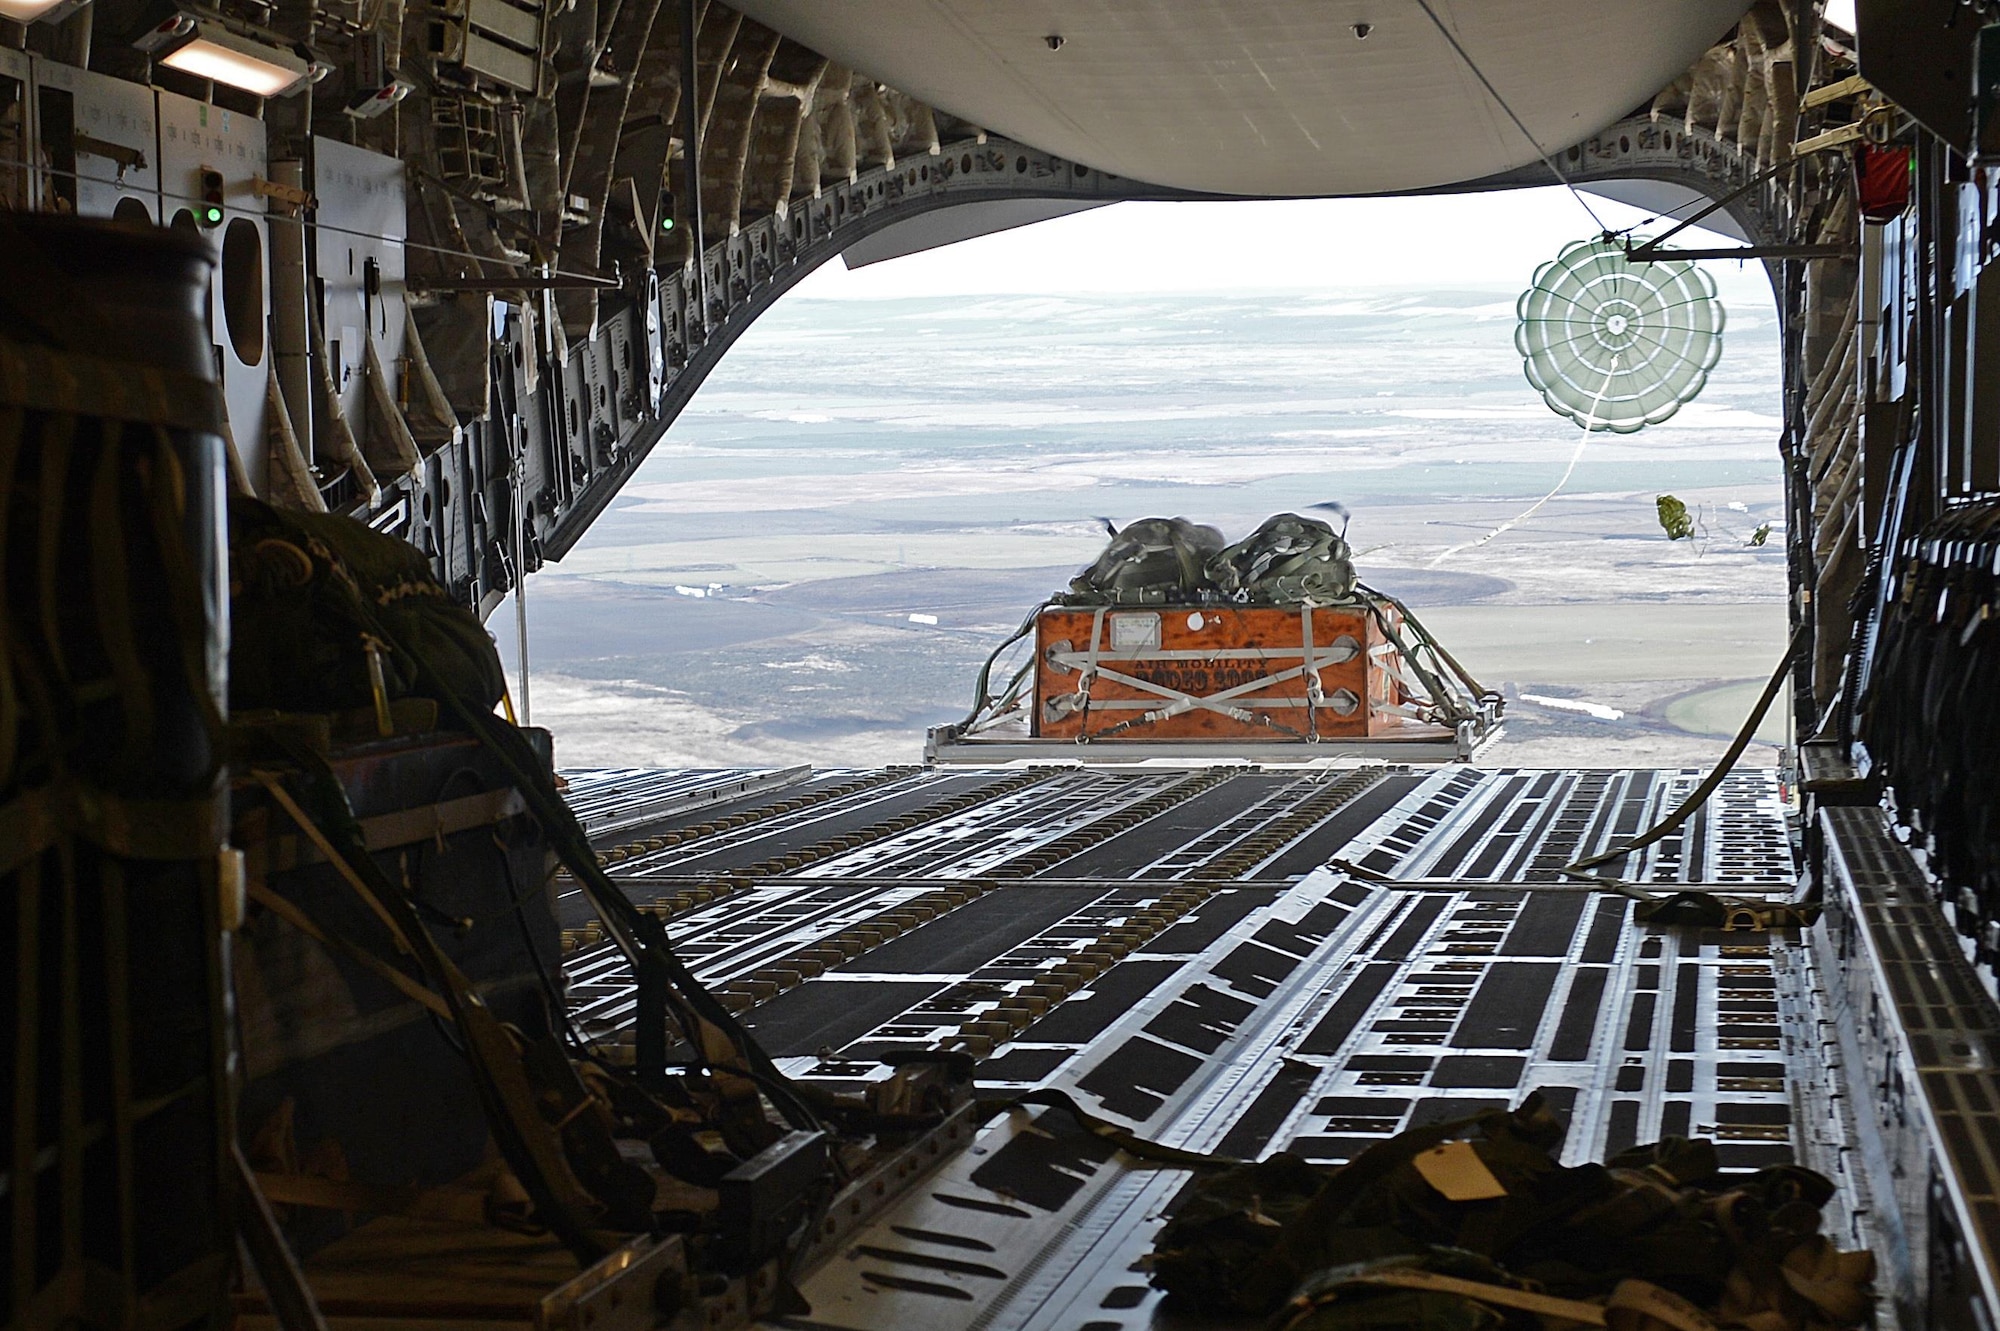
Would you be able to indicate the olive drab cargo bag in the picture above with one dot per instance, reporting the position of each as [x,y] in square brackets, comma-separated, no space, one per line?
[302,589]
[1289,560]
[1154,561]
[1476,1223]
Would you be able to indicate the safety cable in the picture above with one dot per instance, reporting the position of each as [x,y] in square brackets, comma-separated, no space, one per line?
[1494,92]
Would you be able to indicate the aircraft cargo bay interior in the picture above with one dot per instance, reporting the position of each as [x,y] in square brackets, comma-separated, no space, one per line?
[1173,783]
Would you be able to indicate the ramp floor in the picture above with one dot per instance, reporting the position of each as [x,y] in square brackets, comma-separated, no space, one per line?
[1232,960]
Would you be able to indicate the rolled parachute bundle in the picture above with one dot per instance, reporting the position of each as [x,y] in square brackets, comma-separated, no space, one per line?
[1154,561]
[1289,560]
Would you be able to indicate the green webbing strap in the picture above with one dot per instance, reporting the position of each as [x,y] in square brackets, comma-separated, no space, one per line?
[1671,823]
[640,935]
[1429,640]
[982,688]
[1117,1134]
[73,383]
[532,1149]
[37,819]
[1345,1187]
[1440,695]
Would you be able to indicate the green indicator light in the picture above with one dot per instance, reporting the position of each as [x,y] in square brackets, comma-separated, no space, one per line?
[210,212]
[666,224]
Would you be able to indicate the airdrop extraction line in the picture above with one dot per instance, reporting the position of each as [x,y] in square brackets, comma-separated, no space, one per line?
[1589,423]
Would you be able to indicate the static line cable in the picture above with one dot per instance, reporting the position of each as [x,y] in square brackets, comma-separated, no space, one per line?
[1494,93]
[1589,423]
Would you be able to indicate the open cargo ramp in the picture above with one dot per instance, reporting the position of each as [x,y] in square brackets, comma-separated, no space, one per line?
[1176,949]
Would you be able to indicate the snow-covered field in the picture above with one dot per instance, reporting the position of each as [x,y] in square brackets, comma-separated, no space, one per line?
[852,464]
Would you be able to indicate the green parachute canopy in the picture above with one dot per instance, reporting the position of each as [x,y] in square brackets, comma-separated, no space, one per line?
[1616,345]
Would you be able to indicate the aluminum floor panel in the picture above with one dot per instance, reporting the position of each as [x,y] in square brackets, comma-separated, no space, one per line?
[1174,949]
[1417,1006]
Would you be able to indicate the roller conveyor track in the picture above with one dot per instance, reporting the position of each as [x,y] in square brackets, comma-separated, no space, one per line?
[619,799]
[1326,1017]
[1525,826]
[877,861]
[1169,947]
[757,833]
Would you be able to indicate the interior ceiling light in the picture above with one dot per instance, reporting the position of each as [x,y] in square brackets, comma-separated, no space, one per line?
[206,49]
[30,11]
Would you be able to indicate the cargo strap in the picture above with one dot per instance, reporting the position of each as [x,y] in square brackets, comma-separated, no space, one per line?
[37,819]
[1126,1140]
[1801,638]
[1089,676]
[1346,1187]
[982,690]
[713,1031]
[1442,696]
[1499,1296]
[532,1148]
[1222,703]
[457,1204]
[1179,701]
[360,956]
[1315,690]
[1644,1301]
[73,383]
[1429,639]
[291,1299]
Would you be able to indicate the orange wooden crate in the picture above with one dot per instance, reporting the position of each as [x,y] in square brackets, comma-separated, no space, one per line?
[1211,672]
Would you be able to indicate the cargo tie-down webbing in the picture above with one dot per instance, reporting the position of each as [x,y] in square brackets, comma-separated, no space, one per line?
[1180,701]
[1089,676]
[1315,690]
[499,1075]
[1687,807]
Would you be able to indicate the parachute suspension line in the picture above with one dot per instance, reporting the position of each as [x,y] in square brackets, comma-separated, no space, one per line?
[1494,93]
[1589,424]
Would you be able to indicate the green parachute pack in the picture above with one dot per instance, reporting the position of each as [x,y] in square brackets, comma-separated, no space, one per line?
[1288,561]
[305,589]
[1476,1223]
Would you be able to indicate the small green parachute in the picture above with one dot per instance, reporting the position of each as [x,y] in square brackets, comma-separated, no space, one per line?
[1674,518]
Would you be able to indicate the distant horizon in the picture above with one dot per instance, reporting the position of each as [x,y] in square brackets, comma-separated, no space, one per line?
[895,462]
[1731,300]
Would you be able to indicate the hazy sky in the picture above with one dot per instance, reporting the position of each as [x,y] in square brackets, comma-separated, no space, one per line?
[1287,246]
